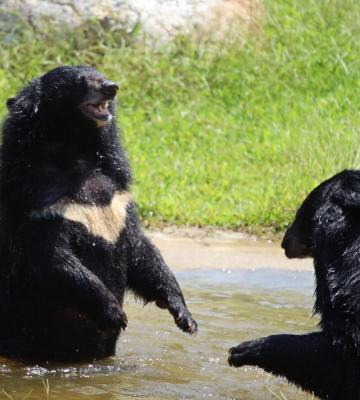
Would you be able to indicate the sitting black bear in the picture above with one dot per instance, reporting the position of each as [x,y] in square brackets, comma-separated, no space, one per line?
[327,363]
[71,243]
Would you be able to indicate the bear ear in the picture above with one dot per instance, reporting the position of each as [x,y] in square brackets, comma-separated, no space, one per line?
[348,193]
[26,103]
[10,102]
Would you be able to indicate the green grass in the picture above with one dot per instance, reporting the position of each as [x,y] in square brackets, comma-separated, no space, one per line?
[225,135]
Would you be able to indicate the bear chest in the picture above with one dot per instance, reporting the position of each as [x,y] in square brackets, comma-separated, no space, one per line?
[106,220]
[95,205]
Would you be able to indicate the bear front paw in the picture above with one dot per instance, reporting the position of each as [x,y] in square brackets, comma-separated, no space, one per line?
[114,317]
[245,353]
[182,316]
[184,320]
[187,324]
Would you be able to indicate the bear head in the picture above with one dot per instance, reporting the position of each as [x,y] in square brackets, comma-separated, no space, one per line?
[331,213]
[67,90]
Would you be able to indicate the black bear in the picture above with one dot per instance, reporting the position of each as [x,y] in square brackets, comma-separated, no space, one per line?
[327,363]
[70,239]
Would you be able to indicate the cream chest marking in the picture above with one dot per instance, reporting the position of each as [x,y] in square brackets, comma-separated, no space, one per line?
[104,221]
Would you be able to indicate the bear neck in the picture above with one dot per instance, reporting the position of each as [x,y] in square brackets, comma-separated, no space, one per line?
[29,151]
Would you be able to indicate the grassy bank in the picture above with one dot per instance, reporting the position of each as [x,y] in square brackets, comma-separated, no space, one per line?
[223,135]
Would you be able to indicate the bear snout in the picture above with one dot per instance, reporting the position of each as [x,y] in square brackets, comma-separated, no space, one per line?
[109,89]
[293,246]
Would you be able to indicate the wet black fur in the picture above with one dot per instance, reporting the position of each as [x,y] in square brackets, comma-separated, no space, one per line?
[327,363]
[61,288]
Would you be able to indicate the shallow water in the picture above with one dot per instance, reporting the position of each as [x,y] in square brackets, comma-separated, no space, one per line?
[156,361]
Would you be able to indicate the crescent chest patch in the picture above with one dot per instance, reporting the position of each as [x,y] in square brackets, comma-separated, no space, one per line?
[105,221]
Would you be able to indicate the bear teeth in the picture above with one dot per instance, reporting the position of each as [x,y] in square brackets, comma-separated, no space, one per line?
[103,106]
[99,110]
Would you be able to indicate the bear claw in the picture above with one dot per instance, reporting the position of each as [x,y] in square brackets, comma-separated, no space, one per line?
[187,324]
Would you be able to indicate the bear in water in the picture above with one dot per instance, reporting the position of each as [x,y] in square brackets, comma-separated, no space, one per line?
[71,242]
[327,363]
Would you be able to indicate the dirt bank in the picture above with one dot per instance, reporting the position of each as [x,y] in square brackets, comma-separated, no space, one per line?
[197,248]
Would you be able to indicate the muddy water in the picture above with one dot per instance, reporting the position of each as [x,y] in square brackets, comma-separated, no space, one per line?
[156,361]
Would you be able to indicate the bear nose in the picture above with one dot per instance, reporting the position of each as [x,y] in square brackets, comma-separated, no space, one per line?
[109,89]
[285,241]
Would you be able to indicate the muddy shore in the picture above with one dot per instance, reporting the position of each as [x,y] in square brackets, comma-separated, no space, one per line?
[197,248]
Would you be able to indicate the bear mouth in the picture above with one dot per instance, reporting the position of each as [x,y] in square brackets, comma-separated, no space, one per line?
[98,111]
